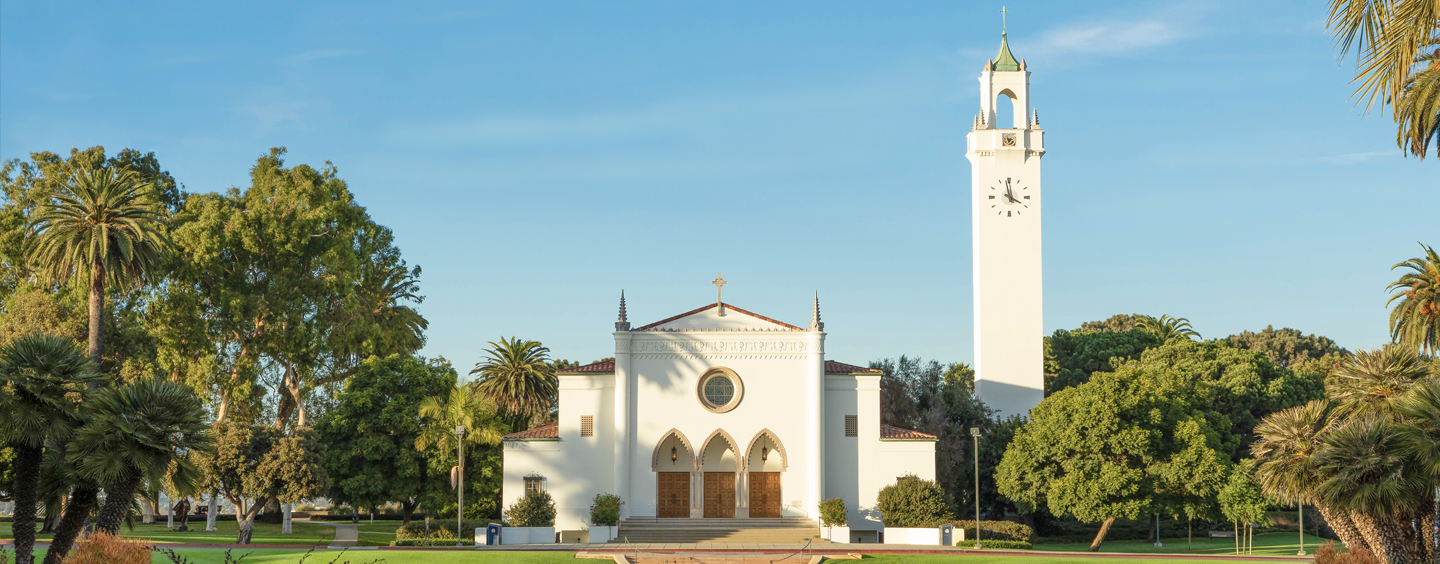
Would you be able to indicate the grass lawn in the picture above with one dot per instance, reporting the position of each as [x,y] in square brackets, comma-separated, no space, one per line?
[1267,544]
[224,533]
[379,534]
[944,559]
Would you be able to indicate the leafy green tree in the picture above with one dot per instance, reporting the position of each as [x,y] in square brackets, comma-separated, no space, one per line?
[913,502]
[1133,442]
[254,465]
[517,378]
[536,509]
[1166,328]
[1287,348]
[1241,500]
[1391,40]
[139,432]
[1240,384]
[32,309]
[1118,323]
[1285,448]
[460,406]
[370,434]
[37,372]
[1415,320]
[1072,356]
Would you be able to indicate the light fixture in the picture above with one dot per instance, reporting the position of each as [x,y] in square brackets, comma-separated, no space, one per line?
[674,454]
[764,454]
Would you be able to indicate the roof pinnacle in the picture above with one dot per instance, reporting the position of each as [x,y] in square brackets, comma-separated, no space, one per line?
[623,324]
[815,323]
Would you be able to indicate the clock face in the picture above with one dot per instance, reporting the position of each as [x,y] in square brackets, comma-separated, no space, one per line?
[1009,197]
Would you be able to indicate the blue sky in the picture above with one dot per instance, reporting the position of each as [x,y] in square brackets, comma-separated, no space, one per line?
[1205,159]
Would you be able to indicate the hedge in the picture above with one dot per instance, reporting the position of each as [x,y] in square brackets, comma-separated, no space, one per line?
[995,544]
[997,530]
[415,530]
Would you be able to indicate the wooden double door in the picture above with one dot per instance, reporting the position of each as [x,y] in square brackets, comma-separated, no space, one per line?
[674,498]
[764,494]
[719,494]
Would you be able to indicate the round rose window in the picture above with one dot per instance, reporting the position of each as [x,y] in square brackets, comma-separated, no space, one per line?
[720,390]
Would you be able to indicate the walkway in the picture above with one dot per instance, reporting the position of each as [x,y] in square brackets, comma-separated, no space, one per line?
[347,535]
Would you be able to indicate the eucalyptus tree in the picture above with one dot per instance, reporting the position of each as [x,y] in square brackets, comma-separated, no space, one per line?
[517,378]
[1394,40]
[38,373]
[142,431]
[1415,320]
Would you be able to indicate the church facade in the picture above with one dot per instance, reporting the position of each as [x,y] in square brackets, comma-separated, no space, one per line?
[717,412]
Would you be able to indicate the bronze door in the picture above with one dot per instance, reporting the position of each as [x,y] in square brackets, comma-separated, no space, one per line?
[674,494]
[764,494]
[719,494]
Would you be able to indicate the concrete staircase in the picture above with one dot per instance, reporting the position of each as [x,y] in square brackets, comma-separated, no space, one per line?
[785,530]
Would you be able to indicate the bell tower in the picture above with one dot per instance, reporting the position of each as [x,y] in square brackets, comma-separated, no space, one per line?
[1005,207]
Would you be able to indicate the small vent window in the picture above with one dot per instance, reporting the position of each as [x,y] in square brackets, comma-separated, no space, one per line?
[534,484]
[852,426]
[587,425]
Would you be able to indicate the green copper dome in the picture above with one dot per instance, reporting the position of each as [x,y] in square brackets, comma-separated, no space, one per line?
[1005,61]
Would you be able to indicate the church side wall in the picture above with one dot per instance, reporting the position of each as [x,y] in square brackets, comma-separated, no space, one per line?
[575,468]
[845,456]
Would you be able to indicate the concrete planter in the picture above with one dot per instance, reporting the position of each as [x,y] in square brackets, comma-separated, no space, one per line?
[601,533]
[527,535]
[907,535]
[835,534]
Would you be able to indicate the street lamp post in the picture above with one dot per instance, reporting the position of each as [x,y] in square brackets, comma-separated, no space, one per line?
[460,483]
[1302,529]
[975,438]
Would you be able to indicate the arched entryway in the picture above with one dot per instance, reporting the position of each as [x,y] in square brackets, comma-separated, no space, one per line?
[674,465]
[719,469]
[765,460]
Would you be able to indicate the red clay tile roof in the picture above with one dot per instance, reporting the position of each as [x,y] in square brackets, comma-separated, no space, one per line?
[727,306]
[546,431]
[832,367]
[892,432]
[602,367]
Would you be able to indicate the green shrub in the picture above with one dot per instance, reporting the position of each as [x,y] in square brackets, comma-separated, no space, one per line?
[994,544]
[536,509]
[444,537]
[415,530]
[912,502]
[998,530]
[832,512]
[605,510]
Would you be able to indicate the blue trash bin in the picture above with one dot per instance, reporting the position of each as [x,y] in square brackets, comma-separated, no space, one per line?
[946,531]
[492,534]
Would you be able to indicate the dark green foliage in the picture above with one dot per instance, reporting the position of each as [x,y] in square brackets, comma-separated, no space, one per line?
[415,530]
[370,434]
[257,462]
[832,512]
[1072,356]
[605,510]
[913,502]
[997,544]
[1285,347]
[1119,322]
[997,530]
[536,509]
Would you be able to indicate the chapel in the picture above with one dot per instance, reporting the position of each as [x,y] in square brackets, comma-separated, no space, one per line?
[717,413]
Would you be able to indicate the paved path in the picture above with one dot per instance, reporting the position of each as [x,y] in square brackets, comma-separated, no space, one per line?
[346,534]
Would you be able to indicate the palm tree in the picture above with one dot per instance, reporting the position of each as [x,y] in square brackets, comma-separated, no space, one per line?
[1416,319]
[1421,410]
[381,293]
[516,377]
[1368,473]
[1285,447]
[460,407]
[1166,328]
[1371,382]
[38,371]
[139,432]
[1391,37]
[1417,112]
[103,228]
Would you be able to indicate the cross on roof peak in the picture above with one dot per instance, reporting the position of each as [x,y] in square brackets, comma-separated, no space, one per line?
[719,283]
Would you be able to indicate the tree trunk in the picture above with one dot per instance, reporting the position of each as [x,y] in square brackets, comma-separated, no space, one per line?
[213,512]
[97,321]
[148,509]
[1237,537]
[76,512]
[117,502]
[170,516]
[1099,537]
[1344,527]
[1381,536]
[406,508]
[293,384]
[27,495]
[246,519]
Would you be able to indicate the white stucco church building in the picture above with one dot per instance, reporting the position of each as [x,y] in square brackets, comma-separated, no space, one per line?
[723,413]
[717,412]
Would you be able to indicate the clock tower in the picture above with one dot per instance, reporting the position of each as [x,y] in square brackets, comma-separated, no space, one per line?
[1005,206]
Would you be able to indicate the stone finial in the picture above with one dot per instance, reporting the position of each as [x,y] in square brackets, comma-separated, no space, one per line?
[1022,64]
[624,323]
[815,323]
[990,65]
[1036,120]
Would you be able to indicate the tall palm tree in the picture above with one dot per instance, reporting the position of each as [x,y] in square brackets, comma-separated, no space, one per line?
[460,407]
[1368,472]
[1418,110]
[1371,382]
[1166,327]
[37,372]
[1415,321]
[1421,411]
[517,377]
[139,432]
[1285,447]
[1391,38]
[103,228]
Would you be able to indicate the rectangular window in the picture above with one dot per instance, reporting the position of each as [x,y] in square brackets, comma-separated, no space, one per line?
[852,426]
[587,425]
[534,484]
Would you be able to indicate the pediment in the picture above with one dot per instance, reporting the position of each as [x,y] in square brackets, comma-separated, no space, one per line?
[711,318]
